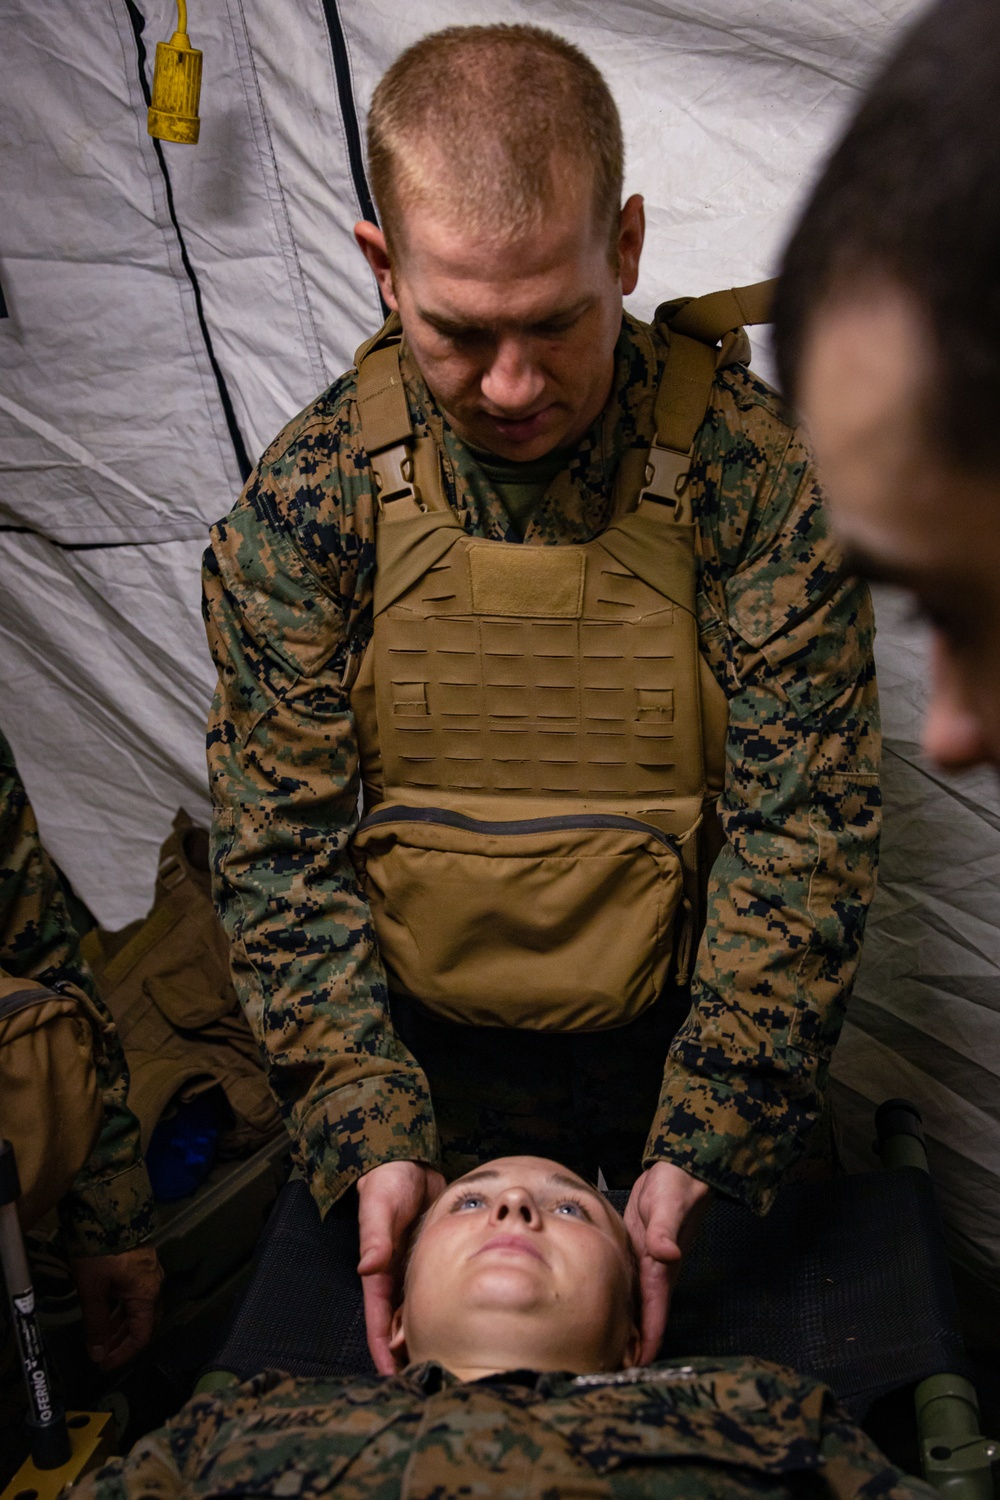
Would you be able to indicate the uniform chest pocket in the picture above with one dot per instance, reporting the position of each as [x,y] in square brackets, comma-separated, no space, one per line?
[551,923]
[290,1453]
[658,1427]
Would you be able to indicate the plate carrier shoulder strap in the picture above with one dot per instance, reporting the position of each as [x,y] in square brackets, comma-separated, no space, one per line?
[695,327]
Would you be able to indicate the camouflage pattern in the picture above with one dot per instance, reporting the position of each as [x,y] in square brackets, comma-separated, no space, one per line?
[711,1430]
[110,1206]
[288,583]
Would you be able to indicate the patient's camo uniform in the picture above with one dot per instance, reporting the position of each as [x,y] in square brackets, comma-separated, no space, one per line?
[288,581]
[711,1430]
[109,1208]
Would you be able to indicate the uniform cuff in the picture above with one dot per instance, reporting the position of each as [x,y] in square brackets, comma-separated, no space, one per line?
[741,1135]
[109,1216]
[383,1118]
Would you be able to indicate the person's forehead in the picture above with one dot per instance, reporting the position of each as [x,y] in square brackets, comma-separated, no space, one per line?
[866,373]
[441,242]
[535,1168]
[904,511]
[864,394]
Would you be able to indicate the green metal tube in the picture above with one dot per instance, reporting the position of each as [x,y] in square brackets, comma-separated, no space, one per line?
[904,1151]
[957,1459]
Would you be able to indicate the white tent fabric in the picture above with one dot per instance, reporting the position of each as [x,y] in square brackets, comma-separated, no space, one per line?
[171,307]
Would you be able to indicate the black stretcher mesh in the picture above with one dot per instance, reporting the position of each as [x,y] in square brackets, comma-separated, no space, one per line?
[845,1280]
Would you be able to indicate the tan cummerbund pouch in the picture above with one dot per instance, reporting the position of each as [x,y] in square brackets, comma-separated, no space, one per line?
[50,1101]
[551,923]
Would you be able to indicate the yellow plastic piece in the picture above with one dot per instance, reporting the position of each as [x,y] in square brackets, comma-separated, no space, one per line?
[92,1437]
[173,113]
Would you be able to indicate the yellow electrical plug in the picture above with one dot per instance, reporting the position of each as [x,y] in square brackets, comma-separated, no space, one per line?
[173,113]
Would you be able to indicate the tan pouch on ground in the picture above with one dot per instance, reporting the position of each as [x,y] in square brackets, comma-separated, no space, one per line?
[50,1102]
[166,982]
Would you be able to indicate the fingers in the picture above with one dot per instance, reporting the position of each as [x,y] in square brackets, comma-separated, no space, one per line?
[118,1297]
[434,1186]
[662,1237]
[378,1295]
[96,1305]
[376,1252]
[378,1229]
[391,1197]
[656,1284]
[663,1214]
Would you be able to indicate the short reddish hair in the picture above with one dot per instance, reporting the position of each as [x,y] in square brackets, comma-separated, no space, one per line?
[482,120]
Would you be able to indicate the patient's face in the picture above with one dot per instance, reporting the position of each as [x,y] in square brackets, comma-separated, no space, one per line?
[520,1264]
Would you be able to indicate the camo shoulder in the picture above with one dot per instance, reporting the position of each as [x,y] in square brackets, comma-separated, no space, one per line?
[292,557]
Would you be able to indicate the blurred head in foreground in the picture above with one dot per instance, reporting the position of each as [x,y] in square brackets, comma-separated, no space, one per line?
[888,335]
[520,1265]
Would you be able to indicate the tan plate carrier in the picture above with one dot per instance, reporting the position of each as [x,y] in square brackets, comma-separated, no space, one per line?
[540,737]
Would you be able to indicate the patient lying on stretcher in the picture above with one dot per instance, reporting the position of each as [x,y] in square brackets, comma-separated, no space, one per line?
[516,1335]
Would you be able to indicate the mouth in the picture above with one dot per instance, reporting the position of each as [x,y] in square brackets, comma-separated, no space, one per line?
[521,429]
[518,1244]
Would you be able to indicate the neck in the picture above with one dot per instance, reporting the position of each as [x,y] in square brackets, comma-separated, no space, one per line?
[514,1344]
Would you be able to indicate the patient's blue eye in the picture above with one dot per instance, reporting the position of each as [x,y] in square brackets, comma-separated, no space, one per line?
[468,1200]
[571,1209]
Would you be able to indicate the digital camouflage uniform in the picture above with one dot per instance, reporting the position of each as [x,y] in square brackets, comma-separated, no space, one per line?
[289,610]
[109,1207]
[712,1430]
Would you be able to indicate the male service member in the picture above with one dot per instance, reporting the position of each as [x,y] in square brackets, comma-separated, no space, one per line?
[481,577]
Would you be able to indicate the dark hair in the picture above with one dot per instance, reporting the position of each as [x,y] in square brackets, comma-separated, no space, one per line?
[912,195]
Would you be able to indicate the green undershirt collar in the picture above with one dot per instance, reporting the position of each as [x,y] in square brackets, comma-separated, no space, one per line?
[521,485]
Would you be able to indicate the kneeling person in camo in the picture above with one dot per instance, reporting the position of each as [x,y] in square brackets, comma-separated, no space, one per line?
[516,1336]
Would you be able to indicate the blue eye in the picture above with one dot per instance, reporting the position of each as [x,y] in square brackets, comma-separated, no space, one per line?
[468,1200]
[570,1209]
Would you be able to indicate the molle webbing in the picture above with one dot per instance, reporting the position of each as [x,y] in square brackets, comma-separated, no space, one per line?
[539,736]
[544,672]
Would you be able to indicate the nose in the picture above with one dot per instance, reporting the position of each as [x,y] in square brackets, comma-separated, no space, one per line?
[515,1204]
[954,735]
[513,384]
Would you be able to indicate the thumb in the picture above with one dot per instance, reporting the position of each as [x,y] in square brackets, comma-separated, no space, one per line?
[375,1225]
[662,1241]
[376,1255]
[96,1309]
[662,1229]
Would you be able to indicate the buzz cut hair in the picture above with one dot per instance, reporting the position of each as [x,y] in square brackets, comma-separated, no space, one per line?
[484,123]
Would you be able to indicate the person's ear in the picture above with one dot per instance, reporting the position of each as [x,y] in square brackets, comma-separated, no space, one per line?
[631,234]
[397,1339]
[371,243]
